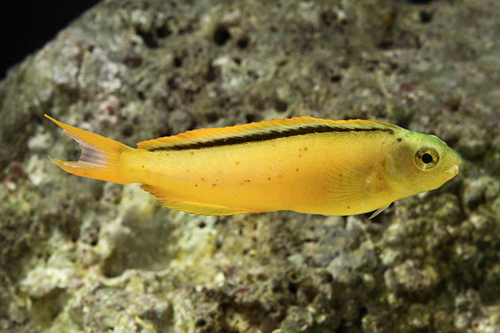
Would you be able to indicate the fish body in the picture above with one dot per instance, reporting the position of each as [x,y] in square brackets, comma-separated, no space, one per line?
[302,164]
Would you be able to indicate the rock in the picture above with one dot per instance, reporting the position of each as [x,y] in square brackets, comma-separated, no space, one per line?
[79,254]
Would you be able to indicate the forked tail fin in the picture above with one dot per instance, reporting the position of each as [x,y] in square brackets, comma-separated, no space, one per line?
[100,157]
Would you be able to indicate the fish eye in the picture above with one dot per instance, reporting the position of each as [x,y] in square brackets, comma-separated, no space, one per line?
[426,158]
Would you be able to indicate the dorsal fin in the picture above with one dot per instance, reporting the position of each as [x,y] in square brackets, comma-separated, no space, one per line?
[264,130]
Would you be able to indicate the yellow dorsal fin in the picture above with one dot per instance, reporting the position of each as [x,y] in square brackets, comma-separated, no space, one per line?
[261,131]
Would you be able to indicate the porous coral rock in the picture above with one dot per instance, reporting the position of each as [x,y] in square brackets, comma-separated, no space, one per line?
[79,254]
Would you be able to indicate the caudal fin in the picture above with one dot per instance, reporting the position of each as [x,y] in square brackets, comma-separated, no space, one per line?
[100,156]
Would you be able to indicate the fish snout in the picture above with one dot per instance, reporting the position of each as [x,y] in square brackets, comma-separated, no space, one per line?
[451,172]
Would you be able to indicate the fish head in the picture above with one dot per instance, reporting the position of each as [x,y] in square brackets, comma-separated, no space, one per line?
[420,163]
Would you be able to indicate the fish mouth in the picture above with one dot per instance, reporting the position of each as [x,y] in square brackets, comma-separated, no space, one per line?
[451,172]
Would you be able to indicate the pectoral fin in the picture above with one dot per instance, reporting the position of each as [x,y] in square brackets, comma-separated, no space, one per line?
[375,185]
[347,184]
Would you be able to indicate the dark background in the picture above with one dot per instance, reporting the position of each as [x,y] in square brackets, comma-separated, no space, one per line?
[25,26]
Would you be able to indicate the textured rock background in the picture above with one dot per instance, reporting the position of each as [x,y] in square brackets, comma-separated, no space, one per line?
[79,254]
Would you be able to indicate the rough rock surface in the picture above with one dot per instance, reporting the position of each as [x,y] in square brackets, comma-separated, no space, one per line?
[79,254]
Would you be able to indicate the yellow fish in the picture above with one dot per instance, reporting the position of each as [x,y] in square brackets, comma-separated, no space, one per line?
[303,164]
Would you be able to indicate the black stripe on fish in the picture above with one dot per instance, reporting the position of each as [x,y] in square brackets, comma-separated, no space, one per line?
[269,134]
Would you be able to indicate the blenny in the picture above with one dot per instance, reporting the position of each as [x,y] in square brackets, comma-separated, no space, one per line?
[302,164]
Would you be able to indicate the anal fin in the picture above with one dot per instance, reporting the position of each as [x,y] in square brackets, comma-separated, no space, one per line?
[191,207]
[200,208]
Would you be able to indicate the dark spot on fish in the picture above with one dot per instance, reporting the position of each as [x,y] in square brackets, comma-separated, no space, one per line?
[268,178]
[237,163]
[202,179]
[192,153]
[305,148]
[214,184]
[143,166]
[247,181]
[399,139]
[195,185]
[187,170]
[300,155]
[297,170]
[348,207]
[340,175]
